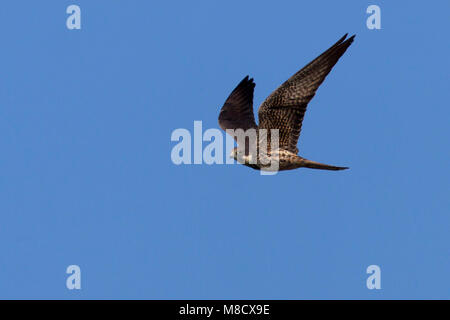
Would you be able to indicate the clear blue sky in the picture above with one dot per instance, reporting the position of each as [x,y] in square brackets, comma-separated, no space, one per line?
[86,176]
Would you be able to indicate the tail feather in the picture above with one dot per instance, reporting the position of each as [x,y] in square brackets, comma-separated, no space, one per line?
[316,165]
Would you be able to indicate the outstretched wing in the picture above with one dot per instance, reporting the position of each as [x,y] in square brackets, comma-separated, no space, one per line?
[285,108]
[237,112]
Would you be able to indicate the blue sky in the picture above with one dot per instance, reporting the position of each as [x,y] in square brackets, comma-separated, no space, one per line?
[86,175]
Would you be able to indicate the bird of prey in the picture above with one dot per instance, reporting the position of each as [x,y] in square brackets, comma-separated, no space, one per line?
[283,109]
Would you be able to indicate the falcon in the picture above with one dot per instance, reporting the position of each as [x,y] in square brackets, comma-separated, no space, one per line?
[282,111]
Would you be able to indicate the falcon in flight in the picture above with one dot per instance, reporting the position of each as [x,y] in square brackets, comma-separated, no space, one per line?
[283,109]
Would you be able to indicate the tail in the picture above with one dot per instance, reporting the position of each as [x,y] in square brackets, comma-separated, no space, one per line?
[316,165]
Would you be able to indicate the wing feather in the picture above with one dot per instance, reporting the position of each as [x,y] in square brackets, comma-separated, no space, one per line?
[237,112]
[285,108]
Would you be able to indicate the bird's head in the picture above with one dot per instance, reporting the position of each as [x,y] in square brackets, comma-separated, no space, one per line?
[234,154]
[241,157]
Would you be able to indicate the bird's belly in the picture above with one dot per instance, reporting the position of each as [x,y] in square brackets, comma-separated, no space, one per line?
[281,160]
